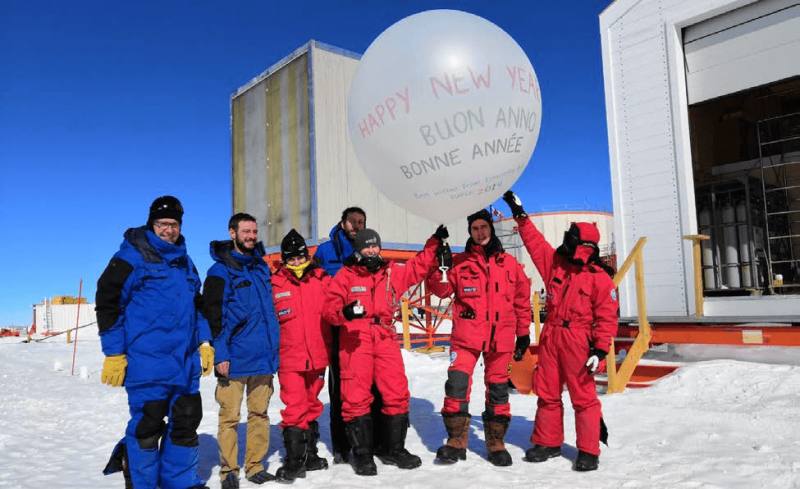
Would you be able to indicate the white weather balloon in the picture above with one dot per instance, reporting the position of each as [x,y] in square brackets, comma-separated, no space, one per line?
[444,113]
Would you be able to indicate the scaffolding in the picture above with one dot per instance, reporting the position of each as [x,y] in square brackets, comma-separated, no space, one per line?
[779,156]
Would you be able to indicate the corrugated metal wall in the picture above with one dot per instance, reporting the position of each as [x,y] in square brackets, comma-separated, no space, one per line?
[644,68]
[293,164]
[646,198]
[271,161]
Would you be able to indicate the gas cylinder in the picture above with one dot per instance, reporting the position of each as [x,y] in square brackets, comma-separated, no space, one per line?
[744,244]
[707,252]
[730,253]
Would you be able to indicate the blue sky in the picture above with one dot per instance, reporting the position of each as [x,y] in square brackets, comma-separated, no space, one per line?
[106,105]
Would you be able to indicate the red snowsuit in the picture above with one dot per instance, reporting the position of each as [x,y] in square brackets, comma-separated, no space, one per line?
[581,314]
[492,307]
[368,348]
[305,344]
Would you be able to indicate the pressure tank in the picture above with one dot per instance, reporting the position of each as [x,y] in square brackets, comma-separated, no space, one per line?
[707,252]
[744,244]
[730,254]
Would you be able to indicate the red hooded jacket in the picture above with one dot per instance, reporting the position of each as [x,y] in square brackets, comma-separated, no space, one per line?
[492,302]
[305,342]
[583,295]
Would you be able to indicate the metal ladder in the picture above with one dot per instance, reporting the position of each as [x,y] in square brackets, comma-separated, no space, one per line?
[779,155]
[48,315]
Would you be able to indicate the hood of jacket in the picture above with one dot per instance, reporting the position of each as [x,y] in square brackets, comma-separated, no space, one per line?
[341,244]
[224,252]
[152,248]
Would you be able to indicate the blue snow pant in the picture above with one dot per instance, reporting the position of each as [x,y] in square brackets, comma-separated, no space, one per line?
[172,463]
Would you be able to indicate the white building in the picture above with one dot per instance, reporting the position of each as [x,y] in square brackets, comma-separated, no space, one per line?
[56,318]
[703,112]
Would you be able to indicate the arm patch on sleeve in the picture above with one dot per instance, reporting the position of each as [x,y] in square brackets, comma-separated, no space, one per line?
[213,293]
[109,292]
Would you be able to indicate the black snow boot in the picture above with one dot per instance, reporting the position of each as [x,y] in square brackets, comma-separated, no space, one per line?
[231,481]
[359,434]
[294,465]
[495,428]
[457,426]
[586,462]
[261,477]
[540,453]
[395,429]
[119,463]
[313,460]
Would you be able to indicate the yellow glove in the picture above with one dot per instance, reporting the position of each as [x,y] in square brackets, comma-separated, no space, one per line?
[206,358]
[114,370]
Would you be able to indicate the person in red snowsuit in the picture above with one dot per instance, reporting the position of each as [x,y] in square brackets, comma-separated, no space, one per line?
[299,286]
[580,323]
[362,297]
[491,307]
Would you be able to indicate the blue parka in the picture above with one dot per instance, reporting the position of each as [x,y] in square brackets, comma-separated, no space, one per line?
[333,253]
[238,301]
[148,307]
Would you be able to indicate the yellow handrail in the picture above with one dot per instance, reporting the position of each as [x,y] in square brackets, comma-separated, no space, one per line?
[618,379]
[698,272]
[406,332]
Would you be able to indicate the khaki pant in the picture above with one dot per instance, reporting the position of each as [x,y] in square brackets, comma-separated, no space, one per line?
[229,395]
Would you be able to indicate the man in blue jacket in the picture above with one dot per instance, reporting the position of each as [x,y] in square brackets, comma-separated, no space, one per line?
[238,298]
[331,254]
[151,327]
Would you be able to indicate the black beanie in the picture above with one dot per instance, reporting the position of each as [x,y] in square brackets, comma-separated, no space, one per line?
[365,238]
[293,245]
[481,214]
[166,207]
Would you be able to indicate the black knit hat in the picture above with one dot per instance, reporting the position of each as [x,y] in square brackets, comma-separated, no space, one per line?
[481,214]
[293,245]
[365,238]
[166,207]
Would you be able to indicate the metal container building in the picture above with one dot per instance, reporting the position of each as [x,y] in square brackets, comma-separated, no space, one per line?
[50,317]
[293,165]
[703,113]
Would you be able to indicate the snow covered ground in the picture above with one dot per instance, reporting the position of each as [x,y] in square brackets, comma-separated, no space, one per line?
[721,422]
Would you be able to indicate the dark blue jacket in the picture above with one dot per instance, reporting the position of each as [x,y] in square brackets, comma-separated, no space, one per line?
[333,253]
[148,307]
[238,300]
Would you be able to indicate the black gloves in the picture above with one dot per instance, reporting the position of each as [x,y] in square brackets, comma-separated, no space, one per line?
[353,310]
[441,233]
[445,256]
[597,352]
[523,342]
[514,204]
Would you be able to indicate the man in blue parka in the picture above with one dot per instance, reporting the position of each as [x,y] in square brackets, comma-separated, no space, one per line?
[151,327]
[332,254]
[238,298]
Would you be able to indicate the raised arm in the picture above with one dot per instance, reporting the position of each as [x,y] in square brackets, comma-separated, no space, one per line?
[423,264]
[540,251]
